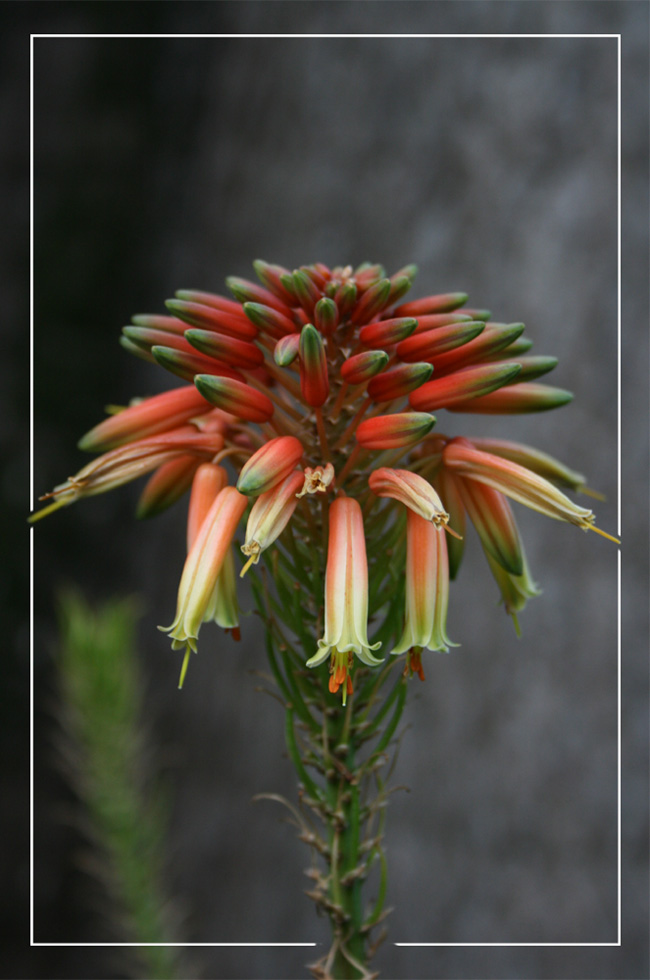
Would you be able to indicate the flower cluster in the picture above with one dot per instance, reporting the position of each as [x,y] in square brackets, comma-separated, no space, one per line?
[319,385]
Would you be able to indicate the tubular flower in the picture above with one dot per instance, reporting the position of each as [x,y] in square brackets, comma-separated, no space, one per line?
[346,597]
[320,381]
[222,608]
[269,516]
[427,589]
[517,482]
[202,567]
[410,489]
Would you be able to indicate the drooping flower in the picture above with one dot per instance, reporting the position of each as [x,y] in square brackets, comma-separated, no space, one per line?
[222,608]
[517,482]
[427,588]
[202,567]
[269,516]
[411,490]
[346,597]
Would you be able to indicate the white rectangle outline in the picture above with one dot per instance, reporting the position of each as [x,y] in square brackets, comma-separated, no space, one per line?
[31,457]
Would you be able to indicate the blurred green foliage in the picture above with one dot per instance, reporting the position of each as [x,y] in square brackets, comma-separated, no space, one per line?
[109,764]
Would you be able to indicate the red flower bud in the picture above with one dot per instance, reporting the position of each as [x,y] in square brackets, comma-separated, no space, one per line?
[399,381]
[270,465]
[188,365]
[235,397]
[383,333]
[148,417]
[394,431]
[232,350]
[458,388]
[526,397]
[430,343]
[441,303]
[361,367]
[210,318]
[314,381]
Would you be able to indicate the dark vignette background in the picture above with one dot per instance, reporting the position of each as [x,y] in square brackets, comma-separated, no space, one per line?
[162,163]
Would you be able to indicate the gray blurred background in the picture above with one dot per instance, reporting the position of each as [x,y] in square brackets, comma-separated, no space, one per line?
[166,163]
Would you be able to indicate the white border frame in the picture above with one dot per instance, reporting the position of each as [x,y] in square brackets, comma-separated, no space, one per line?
[32,941]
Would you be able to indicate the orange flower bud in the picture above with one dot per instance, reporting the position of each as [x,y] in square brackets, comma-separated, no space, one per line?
[441,303]
[429,344]
[461,386]
[384,333]
[232,350]
[361,367]
[518,398]
[187,365]
[160,413]
[212,318]
[270,465]
[394,431]
[235,397]
[398,381]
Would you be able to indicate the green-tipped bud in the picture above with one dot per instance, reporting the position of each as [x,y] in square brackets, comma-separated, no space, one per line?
[314,381]
[156,321]
[399,381]
[385,333]
[410,271]
[345,297]
[286,350]
[271,277]
[326,315]
[441,303]
[209,318]
[399,287]
[207,299]
[148,417]
[186,366]
[361,367]
[492,339]
[368,273]
[270,465]
[250,292]
[396,431]
[519,346]
[231,350]
[147,337]
[235,397]
[371,302]
[306,290]
[535,366]
[529,396]
[462,387]
[433,343]
[269,320]
[477,314]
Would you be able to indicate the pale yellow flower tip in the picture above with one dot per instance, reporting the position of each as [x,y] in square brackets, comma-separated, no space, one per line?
[269,516]
[346,596]
[203,565]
